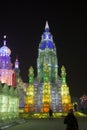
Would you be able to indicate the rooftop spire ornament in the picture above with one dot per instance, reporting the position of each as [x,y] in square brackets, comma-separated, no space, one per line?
[4,41]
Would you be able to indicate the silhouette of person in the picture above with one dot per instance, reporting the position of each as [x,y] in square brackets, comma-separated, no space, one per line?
[50,114]
[71,121]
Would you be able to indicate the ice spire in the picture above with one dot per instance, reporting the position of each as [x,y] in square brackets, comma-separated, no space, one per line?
[4,41]
[46,26]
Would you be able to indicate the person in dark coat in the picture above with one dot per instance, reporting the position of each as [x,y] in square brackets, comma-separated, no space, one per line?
[71,121]
[50,114]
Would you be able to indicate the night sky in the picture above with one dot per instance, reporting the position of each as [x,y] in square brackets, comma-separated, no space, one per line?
[24,23]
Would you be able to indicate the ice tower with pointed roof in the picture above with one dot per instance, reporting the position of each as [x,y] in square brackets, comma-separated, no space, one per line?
[47,55]
[6,67]
[49,90]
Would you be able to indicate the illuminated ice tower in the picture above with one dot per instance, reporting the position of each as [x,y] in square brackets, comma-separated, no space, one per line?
[47,55]
[65,94]
[47,73]
[17,70]
[48,89]
[7,74]
[9,95]
[29,100]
